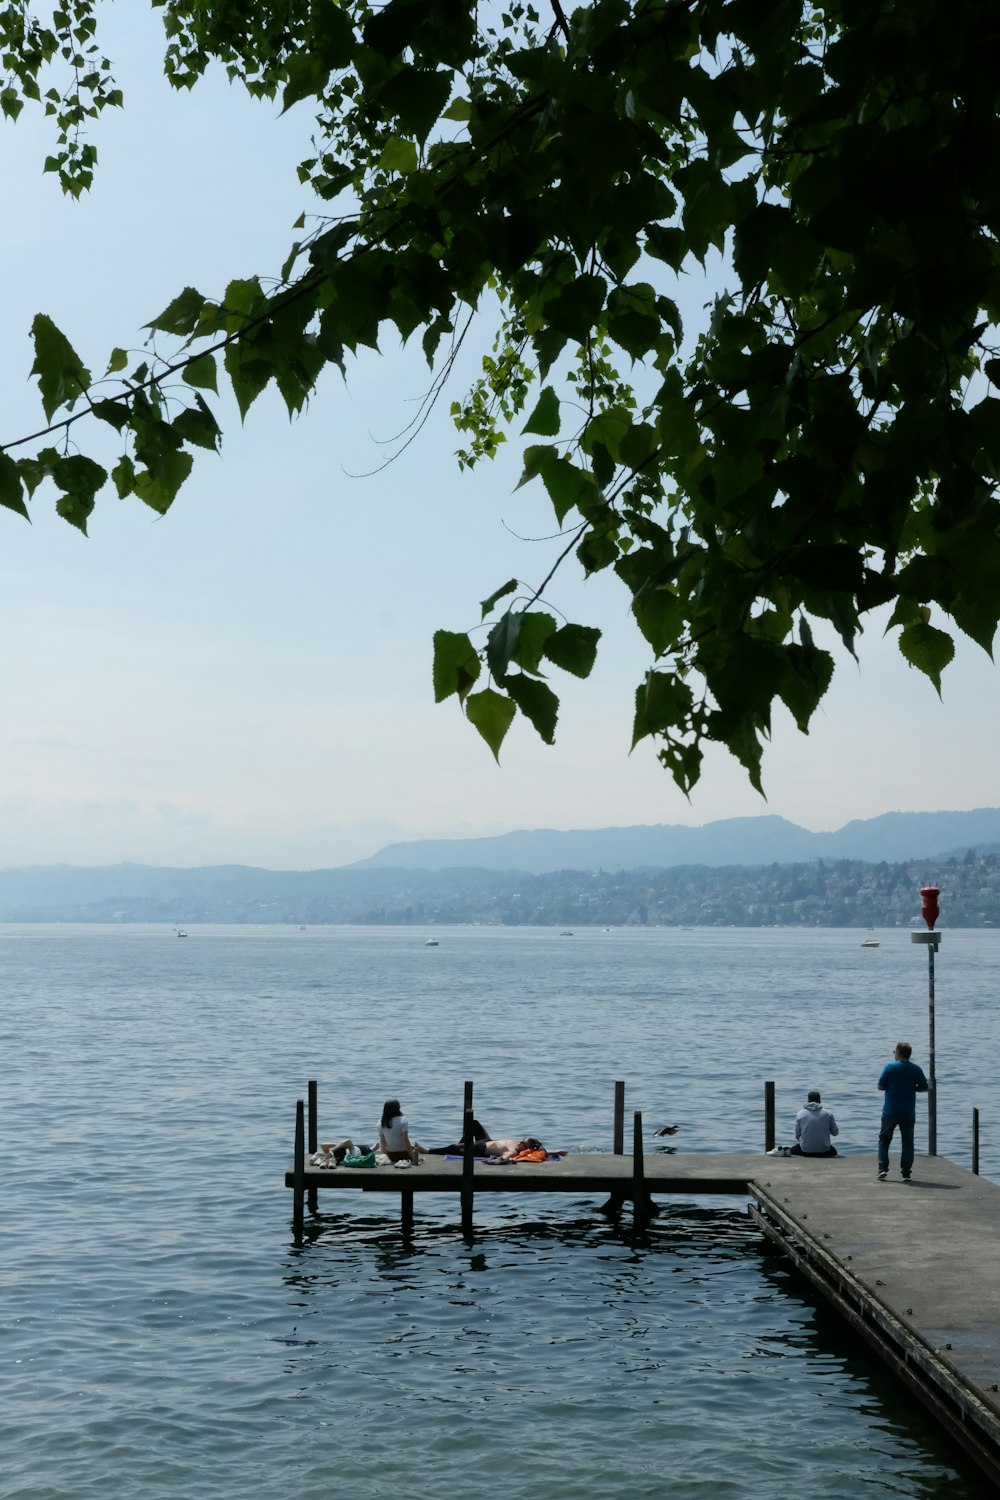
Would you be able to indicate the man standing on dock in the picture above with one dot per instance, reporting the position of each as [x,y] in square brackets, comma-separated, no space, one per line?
[901,1082]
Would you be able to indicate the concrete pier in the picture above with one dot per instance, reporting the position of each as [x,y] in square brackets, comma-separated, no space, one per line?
[913,1267]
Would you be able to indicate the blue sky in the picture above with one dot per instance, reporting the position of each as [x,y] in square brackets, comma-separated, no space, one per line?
[248,679]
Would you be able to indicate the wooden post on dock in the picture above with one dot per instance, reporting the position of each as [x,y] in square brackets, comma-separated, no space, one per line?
[975,1141]
[299,1169]
[313,1140]
[406,1212]
[640,1197]
[619,1146]
[769,1116]
[615,1200]
[468,1160]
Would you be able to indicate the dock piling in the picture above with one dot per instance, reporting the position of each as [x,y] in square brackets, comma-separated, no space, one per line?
[614,1202]
[769,1116]
[975,1141]
[468,1164]
[299,1169]
[619,1146]
[313,1121]
[641,1202]
[406,1212]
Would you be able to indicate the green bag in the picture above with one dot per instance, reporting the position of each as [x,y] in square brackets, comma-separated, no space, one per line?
[367,1160]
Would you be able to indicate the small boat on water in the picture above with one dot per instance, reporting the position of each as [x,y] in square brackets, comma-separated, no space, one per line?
[181,932]
[567,933]
[432,943]
[870,943]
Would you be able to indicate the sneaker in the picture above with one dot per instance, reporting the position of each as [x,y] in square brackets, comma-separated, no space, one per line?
[907,1177]
[883,1175]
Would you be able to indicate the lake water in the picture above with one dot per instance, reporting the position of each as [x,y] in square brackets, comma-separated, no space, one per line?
[164,1336]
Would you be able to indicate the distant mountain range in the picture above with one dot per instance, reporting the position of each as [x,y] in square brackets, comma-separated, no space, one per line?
[731,841]
[741,871]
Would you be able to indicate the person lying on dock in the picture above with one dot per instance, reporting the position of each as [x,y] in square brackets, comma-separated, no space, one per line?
[480,1135]
[394,1135]
[814,1126]
[332,1153]
[527,1149]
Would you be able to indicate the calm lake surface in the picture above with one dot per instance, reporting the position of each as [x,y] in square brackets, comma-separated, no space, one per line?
[161,1334]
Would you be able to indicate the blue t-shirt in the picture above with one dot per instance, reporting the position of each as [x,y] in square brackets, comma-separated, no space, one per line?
[902,1082]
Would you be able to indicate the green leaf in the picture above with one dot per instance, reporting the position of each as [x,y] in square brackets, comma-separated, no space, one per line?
[544,420]
[158,487]
[501,644]
[501,593]
[577,307]
[12,486]
[181,316]
[537,628]
[201,373]
[416,97]
[198,425]
[537,702]
[399,156]
[118,361]
[574,648]
[928,649]
[662,702]
[123,476]
[62,375]
[79,478]
[456,665]
[491,713]
[458,109]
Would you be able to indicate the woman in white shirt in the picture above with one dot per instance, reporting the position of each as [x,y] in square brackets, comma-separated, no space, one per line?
[394,1135]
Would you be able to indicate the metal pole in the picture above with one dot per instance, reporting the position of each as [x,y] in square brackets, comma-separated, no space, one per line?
[769,1116]
[932,1078]
[975,1141]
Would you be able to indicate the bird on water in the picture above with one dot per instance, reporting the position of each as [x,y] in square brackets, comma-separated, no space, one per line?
[667,1130]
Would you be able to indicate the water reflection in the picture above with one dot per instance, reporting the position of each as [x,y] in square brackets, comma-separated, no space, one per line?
[698,1352]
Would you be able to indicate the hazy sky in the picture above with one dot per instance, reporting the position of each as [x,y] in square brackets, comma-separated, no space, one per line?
[248,679]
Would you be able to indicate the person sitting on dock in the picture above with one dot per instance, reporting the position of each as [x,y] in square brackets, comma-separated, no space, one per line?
[394,1135]
[480,1135]
[900,1081]
[814,1126]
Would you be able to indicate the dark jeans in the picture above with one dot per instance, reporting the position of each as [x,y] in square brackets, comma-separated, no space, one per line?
[798,1151]
[889,1123]
[458,1149]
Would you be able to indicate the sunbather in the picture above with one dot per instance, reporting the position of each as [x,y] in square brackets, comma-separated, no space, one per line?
[335,1151]
[480,1135]
[511,1150]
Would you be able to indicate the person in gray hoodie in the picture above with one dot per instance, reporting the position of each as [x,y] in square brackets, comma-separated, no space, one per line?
[814,1126]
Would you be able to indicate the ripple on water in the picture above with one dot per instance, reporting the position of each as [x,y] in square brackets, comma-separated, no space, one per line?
[168,1340]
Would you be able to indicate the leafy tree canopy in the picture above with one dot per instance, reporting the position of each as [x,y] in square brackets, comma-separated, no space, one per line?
[829,444]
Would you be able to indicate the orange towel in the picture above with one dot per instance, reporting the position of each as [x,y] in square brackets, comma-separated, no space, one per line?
[530,1156]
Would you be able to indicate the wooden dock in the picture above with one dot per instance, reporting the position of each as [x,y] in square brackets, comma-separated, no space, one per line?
[912,1267]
